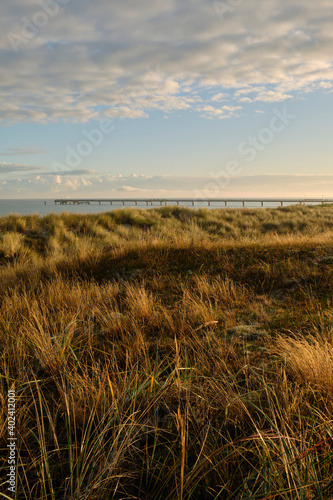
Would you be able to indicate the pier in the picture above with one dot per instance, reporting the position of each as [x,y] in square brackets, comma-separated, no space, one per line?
[192,201]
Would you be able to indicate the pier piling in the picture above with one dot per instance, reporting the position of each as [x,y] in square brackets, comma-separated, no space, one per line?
[194,201]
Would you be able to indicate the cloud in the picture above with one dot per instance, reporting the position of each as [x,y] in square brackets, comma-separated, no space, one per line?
[22,151]
[221,96]
[71,172]
[267,96]
[221,113]
[125,112]
[138,185]
[126,59]
[8,168]
[131,189]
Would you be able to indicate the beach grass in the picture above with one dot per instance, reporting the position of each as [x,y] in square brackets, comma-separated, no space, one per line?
[169,353]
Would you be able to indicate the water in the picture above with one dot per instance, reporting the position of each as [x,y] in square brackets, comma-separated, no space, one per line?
[47,206]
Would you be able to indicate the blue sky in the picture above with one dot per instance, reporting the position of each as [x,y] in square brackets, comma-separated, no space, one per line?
[162,98]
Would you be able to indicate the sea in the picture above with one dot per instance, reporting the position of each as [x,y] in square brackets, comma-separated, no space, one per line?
[47,206]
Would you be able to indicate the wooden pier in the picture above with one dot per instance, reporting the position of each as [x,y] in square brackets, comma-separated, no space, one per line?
[192,201]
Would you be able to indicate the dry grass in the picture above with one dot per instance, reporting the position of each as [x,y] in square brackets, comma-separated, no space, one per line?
[169,354]
[11,243]
[310,362]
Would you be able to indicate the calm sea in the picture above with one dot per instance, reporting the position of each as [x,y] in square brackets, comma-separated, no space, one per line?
[46,206]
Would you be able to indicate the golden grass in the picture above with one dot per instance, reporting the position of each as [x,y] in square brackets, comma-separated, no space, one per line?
[169,354]
[310,361]
[11,243]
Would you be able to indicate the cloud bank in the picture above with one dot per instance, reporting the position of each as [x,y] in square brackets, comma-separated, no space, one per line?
[60,185]
[76,60]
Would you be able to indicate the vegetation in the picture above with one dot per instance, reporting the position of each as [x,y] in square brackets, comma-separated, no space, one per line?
[169,353]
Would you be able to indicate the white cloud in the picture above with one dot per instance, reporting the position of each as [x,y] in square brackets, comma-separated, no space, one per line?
[325,85]
[125,112]
[169,186]
[221,96]
[223,112]
[127,58]
[131,189]
[267,96]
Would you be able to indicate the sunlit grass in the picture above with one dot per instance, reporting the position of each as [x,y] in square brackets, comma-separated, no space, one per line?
[169,353]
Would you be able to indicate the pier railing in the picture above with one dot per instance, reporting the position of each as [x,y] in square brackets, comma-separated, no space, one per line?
[192,201]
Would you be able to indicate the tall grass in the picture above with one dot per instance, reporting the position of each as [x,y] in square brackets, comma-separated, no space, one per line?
[169,353]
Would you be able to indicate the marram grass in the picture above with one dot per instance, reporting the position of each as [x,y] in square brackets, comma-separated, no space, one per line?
[169,353]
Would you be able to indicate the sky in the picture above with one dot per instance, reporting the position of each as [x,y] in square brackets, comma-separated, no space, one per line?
[165,98]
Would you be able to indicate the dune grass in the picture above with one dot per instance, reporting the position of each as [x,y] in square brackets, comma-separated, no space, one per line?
[169,353]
